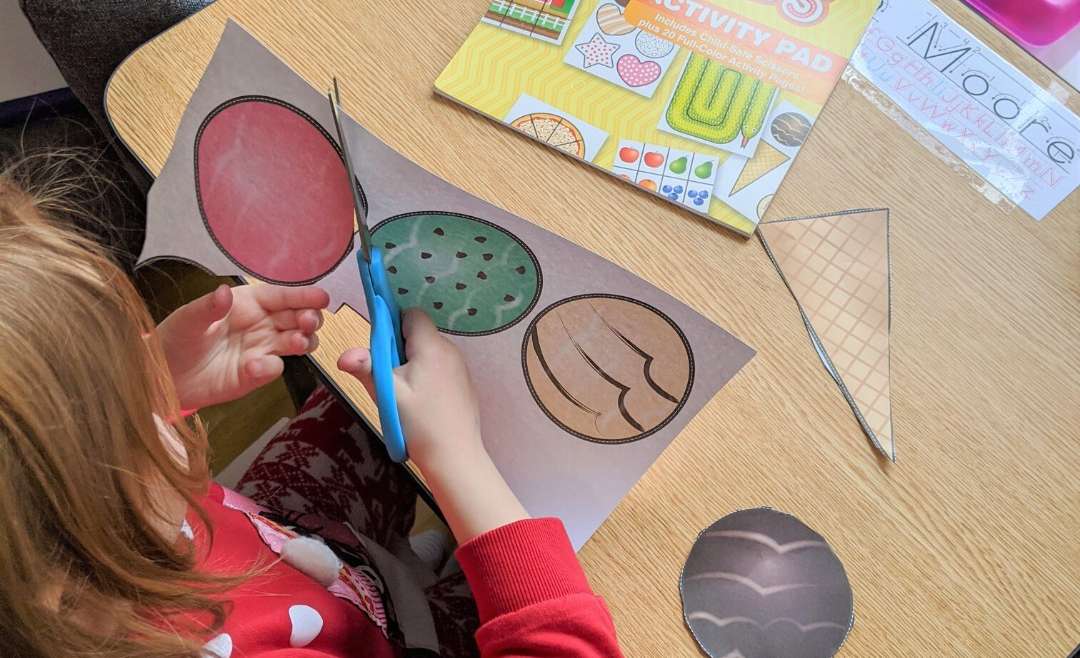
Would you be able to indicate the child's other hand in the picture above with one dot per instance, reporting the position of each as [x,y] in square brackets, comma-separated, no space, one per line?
[435,396]
[228,343]
[441,420]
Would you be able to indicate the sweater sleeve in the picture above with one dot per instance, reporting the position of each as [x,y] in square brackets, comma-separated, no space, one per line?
[532,595]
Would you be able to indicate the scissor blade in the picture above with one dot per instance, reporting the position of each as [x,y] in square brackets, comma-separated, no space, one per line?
[361,216]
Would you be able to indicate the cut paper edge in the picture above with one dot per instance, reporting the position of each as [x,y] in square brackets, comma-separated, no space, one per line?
[852,386]
[759,166]
[768,558]
[405,188]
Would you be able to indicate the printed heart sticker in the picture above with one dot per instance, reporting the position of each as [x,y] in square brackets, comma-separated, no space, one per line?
[635,72]
[611,21]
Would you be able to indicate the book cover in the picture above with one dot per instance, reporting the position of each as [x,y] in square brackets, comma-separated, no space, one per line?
[703,103]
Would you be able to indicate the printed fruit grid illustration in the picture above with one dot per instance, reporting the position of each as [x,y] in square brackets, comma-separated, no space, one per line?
[472,277]
[606,368]
[540,19]
[717,105]
[681,176]
[553,130]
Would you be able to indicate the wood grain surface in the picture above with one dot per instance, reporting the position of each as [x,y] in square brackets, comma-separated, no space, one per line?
[968,545]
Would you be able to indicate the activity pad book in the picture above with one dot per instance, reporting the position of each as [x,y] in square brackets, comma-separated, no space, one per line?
[704,103]
[585,373]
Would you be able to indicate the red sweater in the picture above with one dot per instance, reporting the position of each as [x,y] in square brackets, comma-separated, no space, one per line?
[530,591]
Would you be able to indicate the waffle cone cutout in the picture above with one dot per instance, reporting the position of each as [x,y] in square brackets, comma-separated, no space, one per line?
[837,268]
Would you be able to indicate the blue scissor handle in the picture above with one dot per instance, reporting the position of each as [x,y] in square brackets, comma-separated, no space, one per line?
[381,286]
[383,361]
[387,348]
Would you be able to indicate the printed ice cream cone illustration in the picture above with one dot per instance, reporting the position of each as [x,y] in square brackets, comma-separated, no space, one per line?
[767,158]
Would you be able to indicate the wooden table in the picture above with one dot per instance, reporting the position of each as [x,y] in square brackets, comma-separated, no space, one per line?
[969,545]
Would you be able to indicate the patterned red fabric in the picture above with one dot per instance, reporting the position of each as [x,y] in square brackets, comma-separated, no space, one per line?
[280,607]
[326,474]
[327,463]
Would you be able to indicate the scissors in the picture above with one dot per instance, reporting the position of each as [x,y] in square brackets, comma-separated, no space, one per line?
[387,344]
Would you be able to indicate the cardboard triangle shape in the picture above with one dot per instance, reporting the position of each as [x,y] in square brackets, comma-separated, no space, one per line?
[837,269]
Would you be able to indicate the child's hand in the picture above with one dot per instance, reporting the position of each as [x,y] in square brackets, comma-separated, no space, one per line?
[435,396]
[228,343]
[441,421]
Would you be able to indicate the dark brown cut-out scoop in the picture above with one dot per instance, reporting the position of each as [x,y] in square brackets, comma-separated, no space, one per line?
[759,583]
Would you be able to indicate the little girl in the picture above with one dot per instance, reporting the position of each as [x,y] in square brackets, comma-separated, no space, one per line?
[115,542]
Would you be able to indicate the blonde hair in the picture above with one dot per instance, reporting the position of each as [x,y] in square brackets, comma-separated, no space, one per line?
[83,389]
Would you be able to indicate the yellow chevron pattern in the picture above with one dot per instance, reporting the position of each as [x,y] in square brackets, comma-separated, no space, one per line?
[494,67]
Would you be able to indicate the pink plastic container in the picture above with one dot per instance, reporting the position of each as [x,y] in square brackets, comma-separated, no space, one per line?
[1033,22]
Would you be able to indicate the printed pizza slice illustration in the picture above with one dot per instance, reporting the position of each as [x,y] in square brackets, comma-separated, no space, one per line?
[553,130]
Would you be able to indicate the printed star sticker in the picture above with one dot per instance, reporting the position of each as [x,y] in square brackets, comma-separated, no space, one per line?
[597,51]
